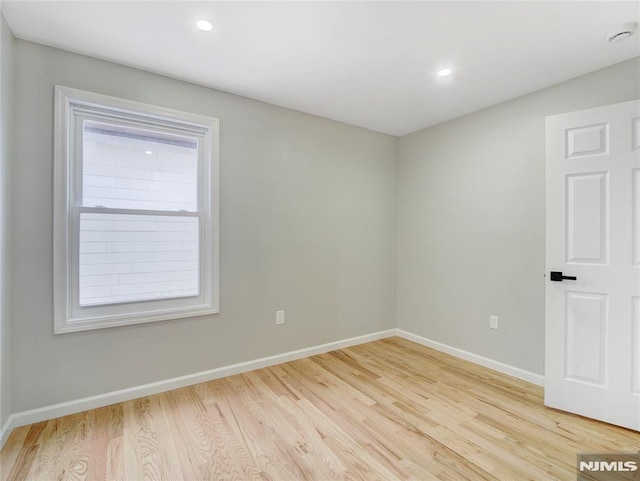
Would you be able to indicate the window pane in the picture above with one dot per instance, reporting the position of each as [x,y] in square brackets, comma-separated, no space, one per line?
[126,258]
[130,168]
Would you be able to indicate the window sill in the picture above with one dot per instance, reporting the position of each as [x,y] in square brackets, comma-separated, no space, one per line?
[76,325]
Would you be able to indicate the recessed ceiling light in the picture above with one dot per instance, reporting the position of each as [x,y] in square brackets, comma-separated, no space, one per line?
[444,72]
[204,25]
[148,152]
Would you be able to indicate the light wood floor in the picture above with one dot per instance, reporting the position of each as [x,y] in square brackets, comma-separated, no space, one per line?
[386,410]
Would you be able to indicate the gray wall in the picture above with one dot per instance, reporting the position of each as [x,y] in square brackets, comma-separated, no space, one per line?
[308,210]
[471,224]
[307,207]
[6,85]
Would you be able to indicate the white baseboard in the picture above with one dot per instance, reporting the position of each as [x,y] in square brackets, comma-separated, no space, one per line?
[6,430]
[71,407]
[528,376]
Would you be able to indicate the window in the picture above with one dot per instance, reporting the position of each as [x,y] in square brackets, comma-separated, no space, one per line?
[135,212]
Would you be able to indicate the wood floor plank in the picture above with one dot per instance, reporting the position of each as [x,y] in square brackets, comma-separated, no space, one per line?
[386,410]
[12,449]
[23,463]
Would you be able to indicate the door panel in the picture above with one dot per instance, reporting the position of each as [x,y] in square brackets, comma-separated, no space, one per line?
[586,320]
[592,358]
[587,141]
[587,206]
[635,129]
[636,217]
[635,345]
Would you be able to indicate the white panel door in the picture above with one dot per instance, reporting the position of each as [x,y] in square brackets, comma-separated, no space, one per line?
[592,359]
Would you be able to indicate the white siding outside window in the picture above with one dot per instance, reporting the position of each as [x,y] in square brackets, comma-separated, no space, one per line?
[135,212]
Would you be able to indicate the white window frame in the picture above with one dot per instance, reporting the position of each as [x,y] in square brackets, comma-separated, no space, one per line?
[71,106]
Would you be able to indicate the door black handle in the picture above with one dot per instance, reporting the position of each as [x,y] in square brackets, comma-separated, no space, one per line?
[557,276]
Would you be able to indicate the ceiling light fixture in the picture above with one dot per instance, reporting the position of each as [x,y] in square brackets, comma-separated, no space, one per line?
[444,72]
[148,152]
[204,25]
[622,32]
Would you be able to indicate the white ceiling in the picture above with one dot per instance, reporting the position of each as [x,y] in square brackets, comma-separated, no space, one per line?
[370,64]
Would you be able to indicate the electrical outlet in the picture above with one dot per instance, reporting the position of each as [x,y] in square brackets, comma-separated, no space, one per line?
[279,318]
[493,322]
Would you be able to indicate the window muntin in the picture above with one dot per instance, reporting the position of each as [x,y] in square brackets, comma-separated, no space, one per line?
[135,226]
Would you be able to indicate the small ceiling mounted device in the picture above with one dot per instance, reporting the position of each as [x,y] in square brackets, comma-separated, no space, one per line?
[622,32]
